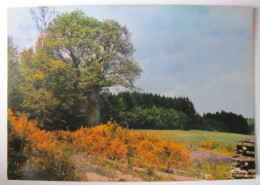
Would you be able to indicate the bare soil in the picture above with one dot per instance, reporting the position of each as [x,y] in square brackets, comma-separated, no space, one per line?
[94,172]
[94,177]
[210,156]
[99,173]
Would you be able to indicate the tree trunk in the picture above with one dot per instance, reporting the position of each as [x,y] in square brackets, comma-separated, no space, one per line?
[92,108]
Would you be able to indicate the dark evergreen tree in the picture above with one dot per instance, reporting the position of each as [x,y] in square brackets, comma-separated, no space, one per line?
[231,122]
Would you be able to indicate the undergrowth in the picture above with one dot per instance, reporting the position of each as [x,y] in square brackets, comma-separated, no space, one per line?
[46,155]
[198,169]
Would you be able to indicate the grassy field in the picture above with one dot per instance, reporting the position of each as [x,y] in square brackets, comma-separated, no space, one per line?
[193,138]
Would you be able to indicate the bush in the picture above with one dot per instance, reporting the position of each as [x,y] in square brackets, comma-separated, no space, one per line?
[47,155]
[40,154]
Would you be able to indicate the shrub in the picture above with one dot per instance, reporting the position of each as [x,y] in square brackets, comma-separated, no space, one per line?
[42,155]
[48,153]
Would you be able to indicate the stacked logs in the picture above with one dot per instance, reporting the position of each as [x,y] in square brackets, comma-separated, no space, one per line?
[243,166]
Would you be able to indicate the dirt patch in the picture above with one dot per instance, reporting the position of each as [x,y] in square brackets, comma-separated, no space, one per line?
[94,177]
[99,173]
[126,177]
[210,156]
[175,177]
[94,172]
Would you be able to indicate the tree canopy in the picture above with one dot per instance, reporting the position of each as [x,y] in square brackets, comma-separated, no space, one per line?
[74,60]
[152,111]
[101,50]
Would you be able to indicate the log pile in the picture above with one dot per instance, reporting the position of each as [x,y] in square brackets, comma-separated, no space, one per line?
[243,166]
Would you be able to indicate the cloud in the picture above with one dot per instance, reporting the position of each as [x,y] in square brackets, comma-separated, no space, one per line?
[230,92]
[178,91]
[21,28]
[201,52]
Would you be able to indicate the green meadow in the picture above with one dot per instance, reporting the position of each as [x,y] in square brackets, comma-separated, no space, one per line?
[193,138]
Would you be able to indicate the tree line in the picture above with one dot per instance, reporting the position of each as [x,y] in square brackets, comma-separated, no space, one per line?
[152,111]
[64,80]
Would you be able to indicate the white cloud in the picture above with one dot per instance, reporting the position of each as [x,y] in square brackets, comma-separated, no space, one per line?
[180,90]
[21,28]
[230,92]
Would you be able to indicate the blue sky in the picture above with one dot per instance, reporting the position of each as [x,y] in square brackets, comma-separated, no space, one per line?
[203,52]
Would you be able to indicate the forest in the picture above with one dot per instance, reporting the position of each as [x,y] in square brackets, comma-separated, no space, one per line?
[152,111]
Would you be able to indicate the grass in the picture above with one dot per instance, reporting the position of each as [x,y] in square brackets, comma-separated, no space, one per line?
[193,138]
[146,174]
[198,169]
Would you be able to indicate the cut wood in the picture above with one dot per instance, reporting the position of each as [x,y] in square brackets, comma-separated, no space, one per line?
[250,152]
[236,164]
[252,171]
[243,166]
[246,144]
[243,176]
[247,140]
[244,159]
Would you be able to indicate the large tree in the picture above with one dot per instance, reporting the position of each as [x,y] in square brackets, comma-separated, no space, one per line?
[76,58]
[100,51]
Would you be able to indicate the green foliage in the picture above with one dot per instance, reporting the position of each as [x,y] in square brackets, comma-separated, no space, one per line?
[75,60]
[101,51]
[141,110]
[251,124]
[148,100]
[152,111]
[231,122]
[15,97]
[47,88]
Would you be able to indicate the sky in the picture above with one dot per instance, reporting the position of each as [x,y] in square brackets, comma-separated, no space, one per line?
[201,52]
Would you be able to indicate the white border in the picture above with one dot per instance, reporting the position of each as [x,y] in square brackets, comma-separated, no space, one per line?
[3,76]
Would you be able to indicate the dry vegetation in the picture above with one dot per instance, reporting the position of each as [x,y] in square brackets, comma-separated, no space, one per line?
[49,154]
